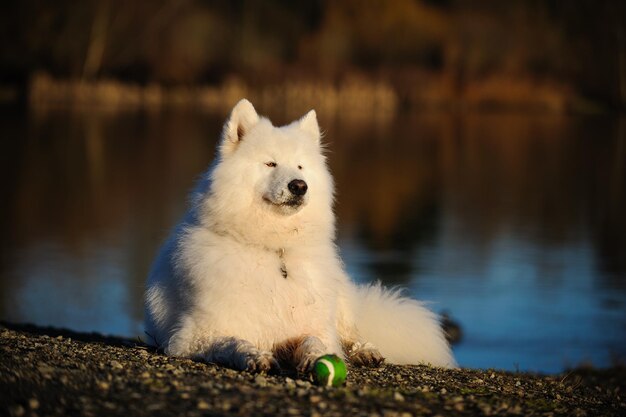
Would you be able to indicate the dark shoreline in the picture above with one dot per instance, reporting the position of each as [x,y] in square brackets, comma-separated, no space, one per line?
[355,96]
[45,371]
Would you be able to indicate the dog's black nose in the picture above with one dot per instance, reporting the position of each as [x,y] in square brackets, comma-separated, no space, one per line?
[297,187]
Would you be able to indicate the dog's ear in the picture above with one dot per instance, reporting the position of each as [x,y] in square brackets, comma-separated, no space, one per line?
[242,118]
[309,124]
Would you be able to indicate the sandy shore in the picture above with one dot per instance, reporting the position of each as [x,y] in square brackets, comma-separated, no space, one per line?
[49,372]
[355,95]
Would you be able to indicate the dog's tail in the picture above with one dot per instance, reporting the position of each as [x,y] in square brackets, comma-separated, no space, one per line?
[402,329]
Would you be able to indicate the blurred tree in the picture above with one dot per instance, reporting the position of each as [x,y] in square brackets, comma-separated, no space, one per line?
[377,33]
[582,42]
[596,51]
[97,39]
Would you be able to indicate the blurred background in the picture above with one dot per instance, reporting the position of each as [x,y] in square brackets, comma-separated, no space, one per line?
[479,149]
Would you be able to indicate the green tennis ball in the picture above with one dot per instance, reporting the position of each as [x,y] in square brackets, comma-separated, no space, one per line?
[329,370]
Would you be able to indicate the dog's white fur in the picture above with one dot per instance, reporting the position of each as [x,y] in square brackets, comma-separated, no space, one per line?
[251,278]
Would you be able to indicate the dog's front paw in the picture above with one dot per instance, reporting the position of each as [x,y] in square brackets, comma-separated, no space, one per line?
[364,354]
[306,363]
[260,362]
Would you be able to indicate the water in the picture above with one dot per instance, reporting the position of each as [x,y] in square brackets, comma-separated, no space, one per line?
[512,223]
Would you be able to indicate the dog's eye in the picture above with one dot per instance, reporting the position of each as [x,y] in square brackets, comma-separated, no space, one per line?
[299,166]
[271,164]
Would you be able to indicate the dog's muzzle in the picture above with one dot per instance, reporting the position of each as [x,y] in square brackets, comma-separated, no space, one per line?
[289,199]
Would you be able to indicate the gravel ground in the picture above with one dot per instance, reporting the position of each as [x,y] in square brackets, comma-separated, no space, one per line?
[47,372]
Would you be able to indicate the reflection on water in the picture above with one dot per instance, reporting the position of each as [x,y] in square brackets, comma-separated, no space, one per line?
[512,223]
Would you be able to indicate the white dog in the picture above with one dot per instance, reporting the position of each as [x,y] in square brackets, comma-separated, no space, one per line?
[251,278]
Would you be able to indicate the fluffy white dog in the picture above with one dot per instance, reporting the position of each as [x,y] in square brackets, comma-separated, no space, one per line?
[251,278]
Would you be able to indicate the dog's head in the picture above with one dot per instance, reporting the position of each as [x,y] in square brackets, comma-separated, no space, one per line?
[268,177]
[283,167]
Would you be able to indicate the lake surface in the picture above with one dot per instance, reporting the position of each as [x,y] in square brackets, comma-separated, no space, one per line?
[512,223]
